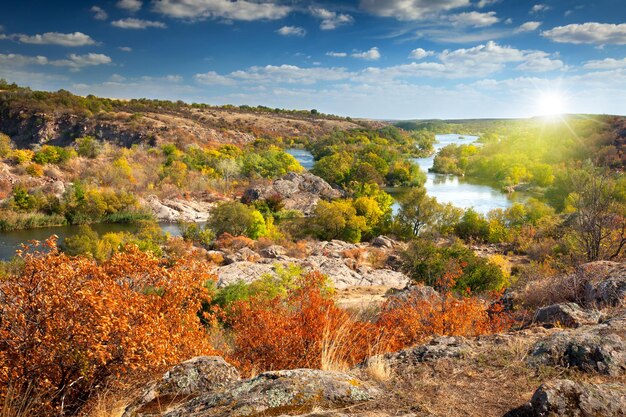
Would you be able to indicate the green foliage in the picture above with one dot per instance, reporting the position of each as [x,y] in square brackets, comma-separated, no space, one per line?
[197,234]
[473,226]
[425,262]
[88,147]
[338,220]
[49,154]
[5,145]
[22,200]
[237,219]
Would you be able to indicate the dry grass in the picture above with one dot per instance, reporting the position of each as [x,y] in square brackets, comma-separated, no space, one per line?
[16,403]
[378,368]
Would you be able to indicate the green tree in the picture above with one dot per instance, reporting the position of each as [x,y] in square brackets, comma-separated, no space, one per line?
[417,211]
[237,219]
[338,220]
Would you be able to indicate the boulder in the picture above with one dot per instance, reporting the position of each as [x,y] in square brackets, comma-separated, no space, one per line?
[383,242]
[244,254]
[605,283]
[273,252]
[576,399]
[437,348]
[297,191]
[175,210]
[197,376]
[566,314]
[241,271]
[293,392]
[598,348]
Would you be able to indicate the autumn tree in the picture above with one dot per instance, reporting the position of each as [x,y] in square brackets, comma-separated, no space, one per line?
[417,211]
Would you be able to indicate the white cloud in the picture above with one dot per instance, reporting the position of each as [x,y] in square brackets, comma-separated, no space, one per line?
[474,19]
[538,8]
[372,55]
[125,49]
[330,20]
[292,31]
[80,61]
[528,27]
[337,54]
[99,13]
[540,62]
[130,5]
[484,3]
[420,53]
[289,74]
[605,64]
[74,61]
[132,23]
[590,33]
[117,78]
[56,38]
[225,9]
[213,78]
[410,9]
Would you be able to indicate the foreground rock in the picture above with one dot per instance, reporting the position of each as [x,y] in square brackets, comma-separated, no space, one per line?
[600,348]
[437,348]
[212,389]
[567,398]
[200,375]
[297,192]
[566,314]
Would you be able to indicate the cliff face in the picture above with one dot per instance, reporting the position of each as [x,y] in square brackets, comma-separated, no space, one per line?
[27,124]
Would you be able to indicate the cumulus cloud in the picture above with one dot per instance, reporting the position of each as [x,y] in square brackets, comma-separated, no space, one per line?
[330,20]
[73,61]
[292,31]
[538,8]
[99,13]
[289,74]
[56,38]
[372,55]
[130,5]
[540,62]
[605,64]
[474,19]
[125,49]
[225,9]
[410,9]
[420,53]
[132,23]
[528,27]
[590,33]
[213,78]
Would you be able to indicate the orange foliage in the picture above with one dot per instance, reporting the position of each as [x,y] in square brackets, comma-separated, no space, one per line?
[290,333]
[417,318]
[228,241]
[69,325]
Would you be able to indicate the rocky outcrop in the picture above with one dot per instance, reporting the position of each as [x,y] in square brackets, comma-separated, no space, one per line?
[600,348]
[209,387]
[198,376]
[437,348]
[566,314]
[175,210]
[568,398]
[605,283]
[297,192]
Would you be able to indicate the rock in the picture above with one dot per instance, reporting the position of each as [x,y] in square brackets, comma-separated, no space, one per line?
[241,271]
[244,254]
[293,392]
[297,191]
[598,348]
[437,348]
[413,293]
[566,314]
[174,210]
[273,252]
[383,242]
[605,283]
[332,249]
[576,399]
[197,376]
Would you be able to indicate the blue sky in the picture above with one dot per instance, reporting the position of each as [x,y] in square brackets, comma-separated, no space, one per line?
[392,59]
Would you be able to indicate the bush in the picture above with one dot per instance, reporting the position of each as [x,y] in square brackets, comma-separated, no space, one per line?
[237,219]
[88,147]
[96,323]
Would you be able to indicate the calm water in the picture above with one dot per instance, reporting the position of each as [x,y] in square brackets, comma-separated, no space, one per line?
[303,156]
[11,241]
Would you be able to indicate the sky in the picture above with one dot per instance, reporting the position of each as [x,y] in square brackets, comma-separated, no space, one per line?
[383,59]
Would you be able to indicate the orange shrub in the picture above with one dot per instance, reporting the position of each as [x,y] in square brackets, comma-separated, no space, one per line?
[417,318]
[226,241]
[70,325]
[293,332]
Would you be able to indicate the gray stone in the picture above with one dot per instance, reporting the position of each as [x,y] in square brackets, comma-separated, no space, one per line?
[437,348]
[383,242]
[566,314]
[605,283]
[293,392]
[575,399]
[197,376]
[598,348]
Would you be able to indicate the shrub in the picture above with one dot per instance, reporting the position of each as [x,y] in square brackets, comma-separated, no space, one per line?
[237,219]
[22,156]
[35,170]
[70,326]
[88,147]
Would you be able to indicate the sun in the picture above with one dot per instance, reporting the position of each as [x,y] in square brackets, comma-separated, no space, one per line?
[551,104]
